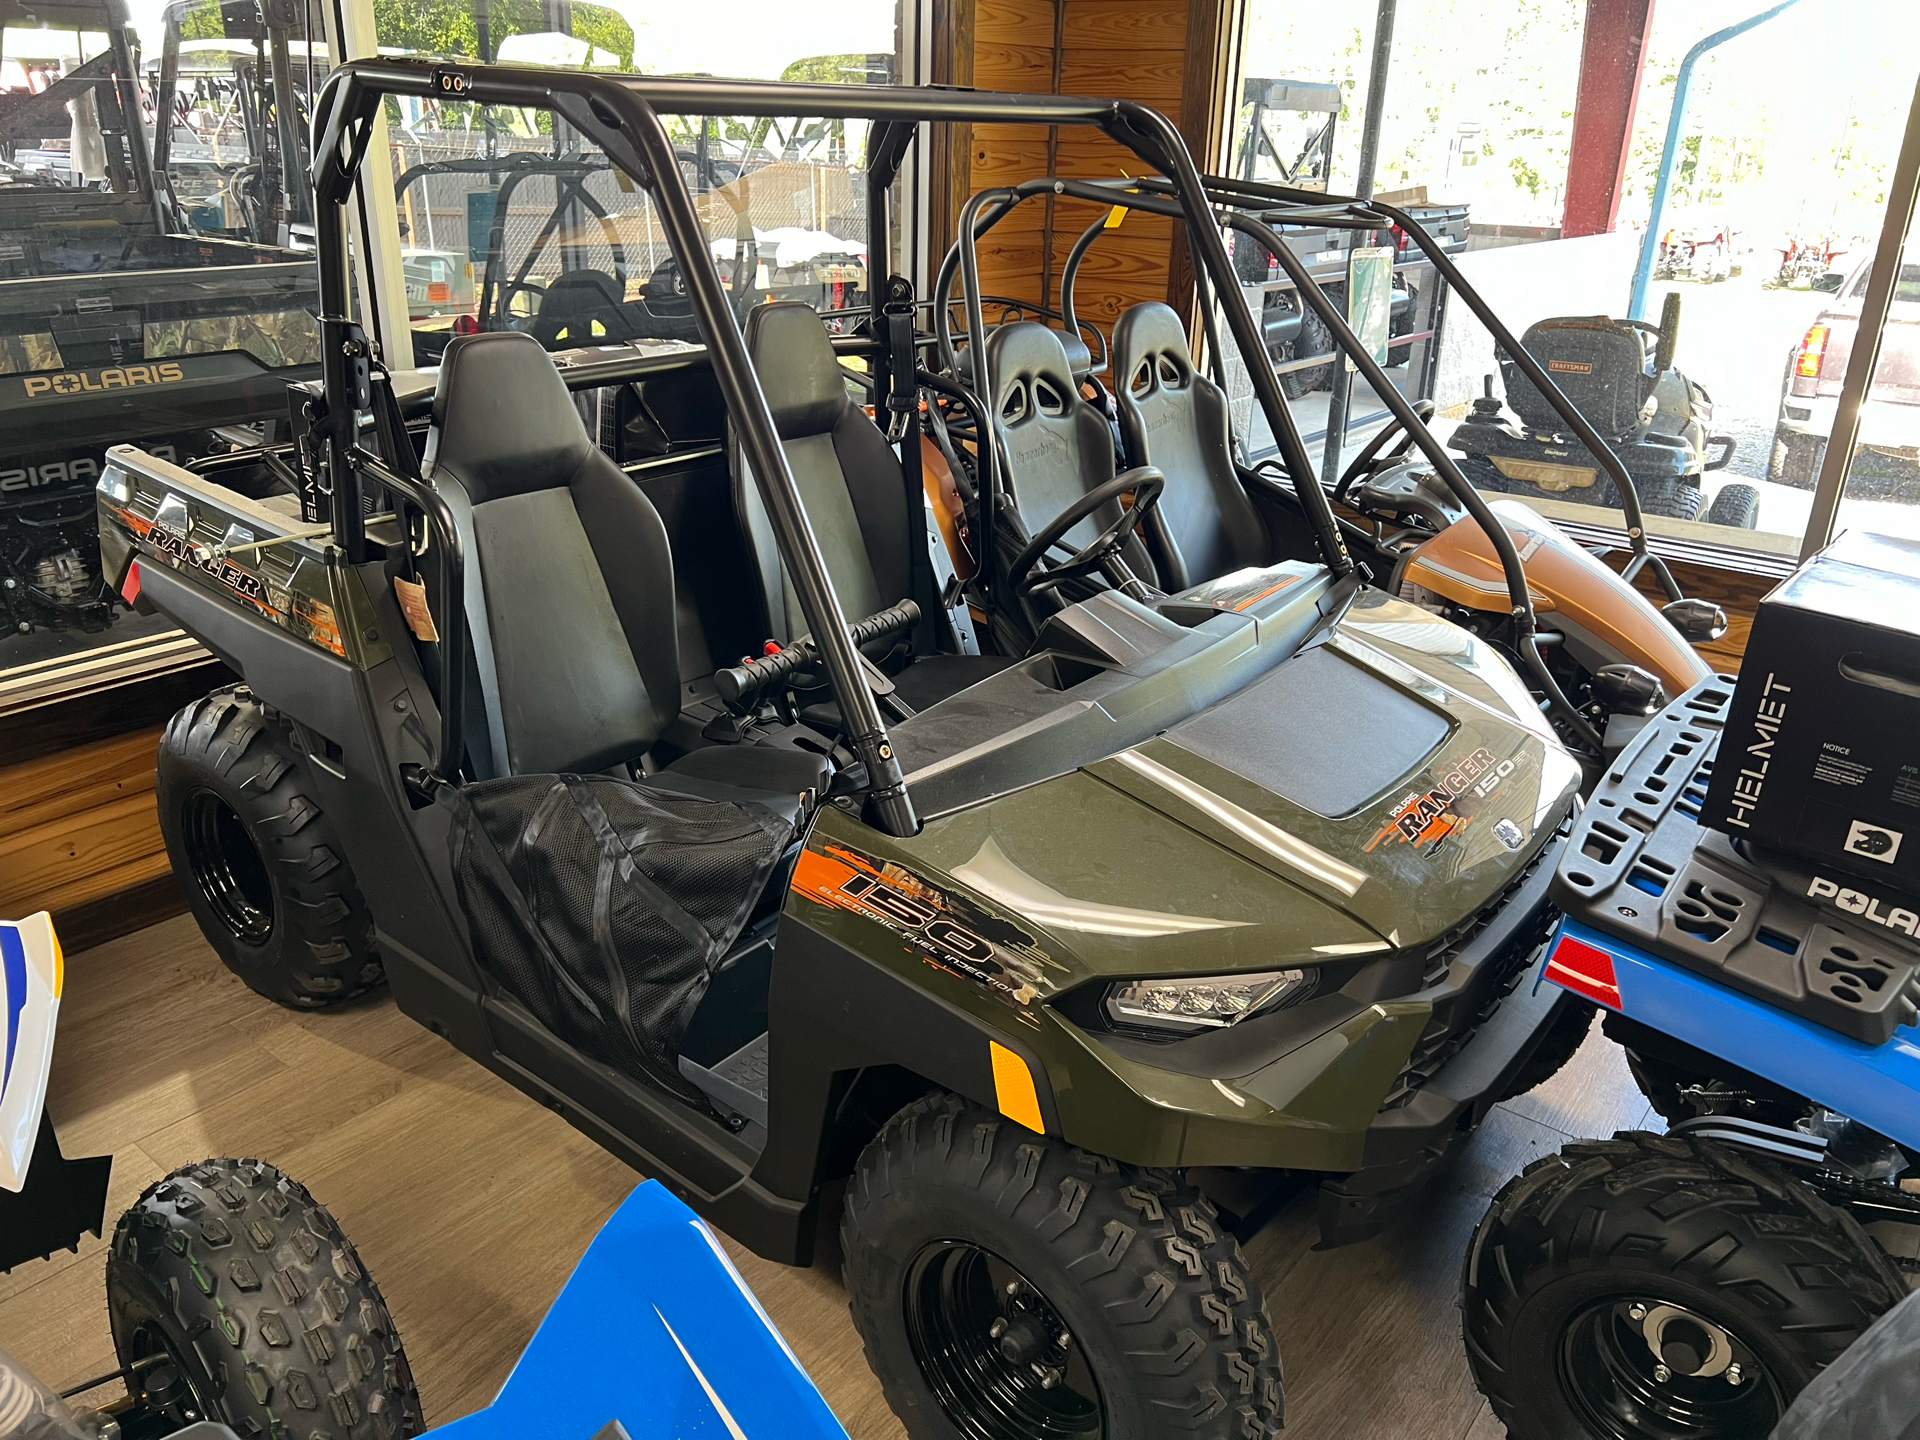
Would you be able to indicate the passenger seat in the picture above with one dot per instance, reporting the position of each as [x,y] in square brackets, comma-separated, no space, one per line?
[1175,419]
[569,590]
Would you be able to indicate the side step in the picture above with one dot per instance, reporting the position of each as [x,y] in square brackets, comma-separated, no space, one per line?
[738,1084]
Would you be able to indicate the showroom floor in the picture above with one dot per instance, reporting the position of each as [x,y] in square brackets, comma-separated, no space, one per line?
[470,1203]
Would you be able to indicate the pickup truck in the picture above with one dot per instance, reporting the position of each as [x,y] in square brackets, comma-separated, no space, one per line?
[1816,367]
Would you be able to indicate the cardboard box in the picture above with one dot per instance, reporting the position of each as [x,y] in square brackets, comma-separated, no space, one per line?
[1821,754]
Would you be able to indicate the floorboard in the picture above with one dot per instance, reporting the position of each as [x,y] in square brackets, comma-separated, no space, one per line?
[470,1203]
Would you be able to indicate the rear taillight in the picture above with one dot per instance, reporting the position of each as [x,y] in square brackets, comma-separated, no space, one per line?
[1813,350]
[1399,239]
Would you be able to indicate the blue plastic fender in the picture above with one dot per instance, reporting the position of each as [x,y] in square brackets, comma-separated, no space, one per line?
[1878,1085]
[656,1330]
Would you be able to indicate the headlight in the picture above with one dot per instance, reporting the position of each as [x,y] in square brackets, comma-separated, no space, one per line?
[1205,1002]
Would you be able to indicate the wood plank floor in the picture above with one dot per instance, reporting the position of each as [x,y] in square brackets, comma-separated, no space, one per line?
[470,1203]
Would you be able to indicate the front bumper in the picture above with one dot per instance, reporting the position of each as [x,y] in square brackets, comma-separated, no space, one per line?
[1382,1087]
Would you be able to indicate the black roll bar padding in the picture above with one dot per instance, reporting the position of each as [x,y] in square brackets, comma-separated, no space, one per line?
[1520,598]
[747,679]
[452,623]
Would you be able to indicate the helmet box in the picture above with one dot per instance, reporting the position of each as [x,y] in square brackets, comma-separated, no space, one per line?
[1821,755]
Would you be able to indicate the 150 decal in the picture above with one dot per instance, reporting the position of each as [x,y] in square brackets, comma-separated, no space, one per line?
[946,930]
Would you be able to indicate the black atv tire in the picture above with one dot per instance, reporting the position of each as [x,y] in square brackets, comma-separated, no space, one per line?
[1579,1239]
[1737,506]
[261,865]
[1404,324]
[1568,1033]
[1314,339]
[1796,459]
[1168,1327]
[1675,499]
[268,1321]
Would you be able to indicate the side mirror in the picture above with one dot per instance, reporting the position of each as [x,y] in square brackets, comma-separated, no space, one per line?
[1699,622]
[1627,690]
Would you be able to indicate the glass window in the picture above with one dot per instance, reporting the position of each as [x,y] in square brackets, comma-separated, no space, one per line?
[511,221]
[1882,489]
[156,279]
[1770,208]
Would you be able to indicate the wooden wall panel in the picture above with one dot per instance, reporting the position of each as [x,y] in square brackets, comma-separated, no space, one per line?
[79,826]
[1144,50]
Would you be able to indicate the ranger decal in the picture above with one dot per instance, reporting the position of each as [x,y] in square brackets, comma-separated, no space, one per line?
[1427,817]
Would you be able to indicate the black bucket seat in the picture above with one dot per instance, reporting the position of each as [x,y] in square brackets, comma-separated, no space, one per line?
[1175,419]
[575,659]
[851,487]
[1057,450]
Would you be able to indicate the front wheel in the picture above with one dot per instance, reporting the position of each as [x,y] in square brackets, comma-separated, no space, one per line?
[1657,1287]
[234,1297]
[1007,1287]
[1737,506]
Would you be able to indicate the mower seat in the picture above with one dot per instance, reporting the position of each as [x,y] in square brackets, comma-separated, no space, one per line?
[852,489]
[1175,419]
[1600,365]
[575,658]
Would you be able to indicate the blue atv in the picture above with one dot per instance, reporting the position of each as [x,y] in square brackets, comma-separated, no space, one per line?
[1687,1285]
[240,1309]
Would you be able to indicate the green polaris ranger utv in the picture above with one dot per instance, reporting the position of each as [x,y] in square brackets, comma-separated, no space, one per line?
[673,785]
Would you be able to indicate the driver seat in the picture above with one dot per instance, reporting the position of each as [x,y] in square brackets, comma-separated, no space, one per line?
[574,658]
[852,489]
[1175,419]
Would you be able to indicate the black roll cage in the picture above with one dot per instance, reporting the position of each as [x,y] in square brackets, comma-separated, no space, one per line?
[621,114]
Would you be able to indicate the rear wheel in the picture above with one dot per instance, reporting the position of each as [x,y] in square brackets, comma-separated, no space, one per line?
[1315,338]
[234,1297]
[1009,1287]
[1796,459]
[1737,506]
[262,867]
[1656,1287]
[1676,499]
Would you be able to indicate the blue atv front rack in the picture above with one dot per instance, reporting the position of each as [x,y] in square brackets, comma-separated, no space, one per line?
[1808,980]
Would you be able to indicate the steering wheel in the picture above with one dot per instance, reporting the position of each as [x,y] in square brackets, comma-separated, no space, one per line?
[503,306]
[1377,448]
[1145,482]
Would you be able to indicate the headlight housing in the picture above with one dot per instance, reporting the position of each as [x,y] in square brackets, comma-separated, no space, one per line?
[1191,1004]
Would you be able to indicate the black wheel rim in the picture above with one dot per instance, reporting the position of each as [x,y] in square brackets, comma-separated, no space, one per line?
[994,1350]
[228,869]
[1704,1383]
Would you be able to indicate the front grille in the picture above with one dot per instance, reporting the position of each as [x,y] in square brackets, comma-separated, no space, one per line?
[1461,1007]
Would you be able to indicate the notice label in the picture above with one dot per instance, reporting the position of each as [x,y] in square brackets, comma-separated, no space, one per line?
[412,596]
